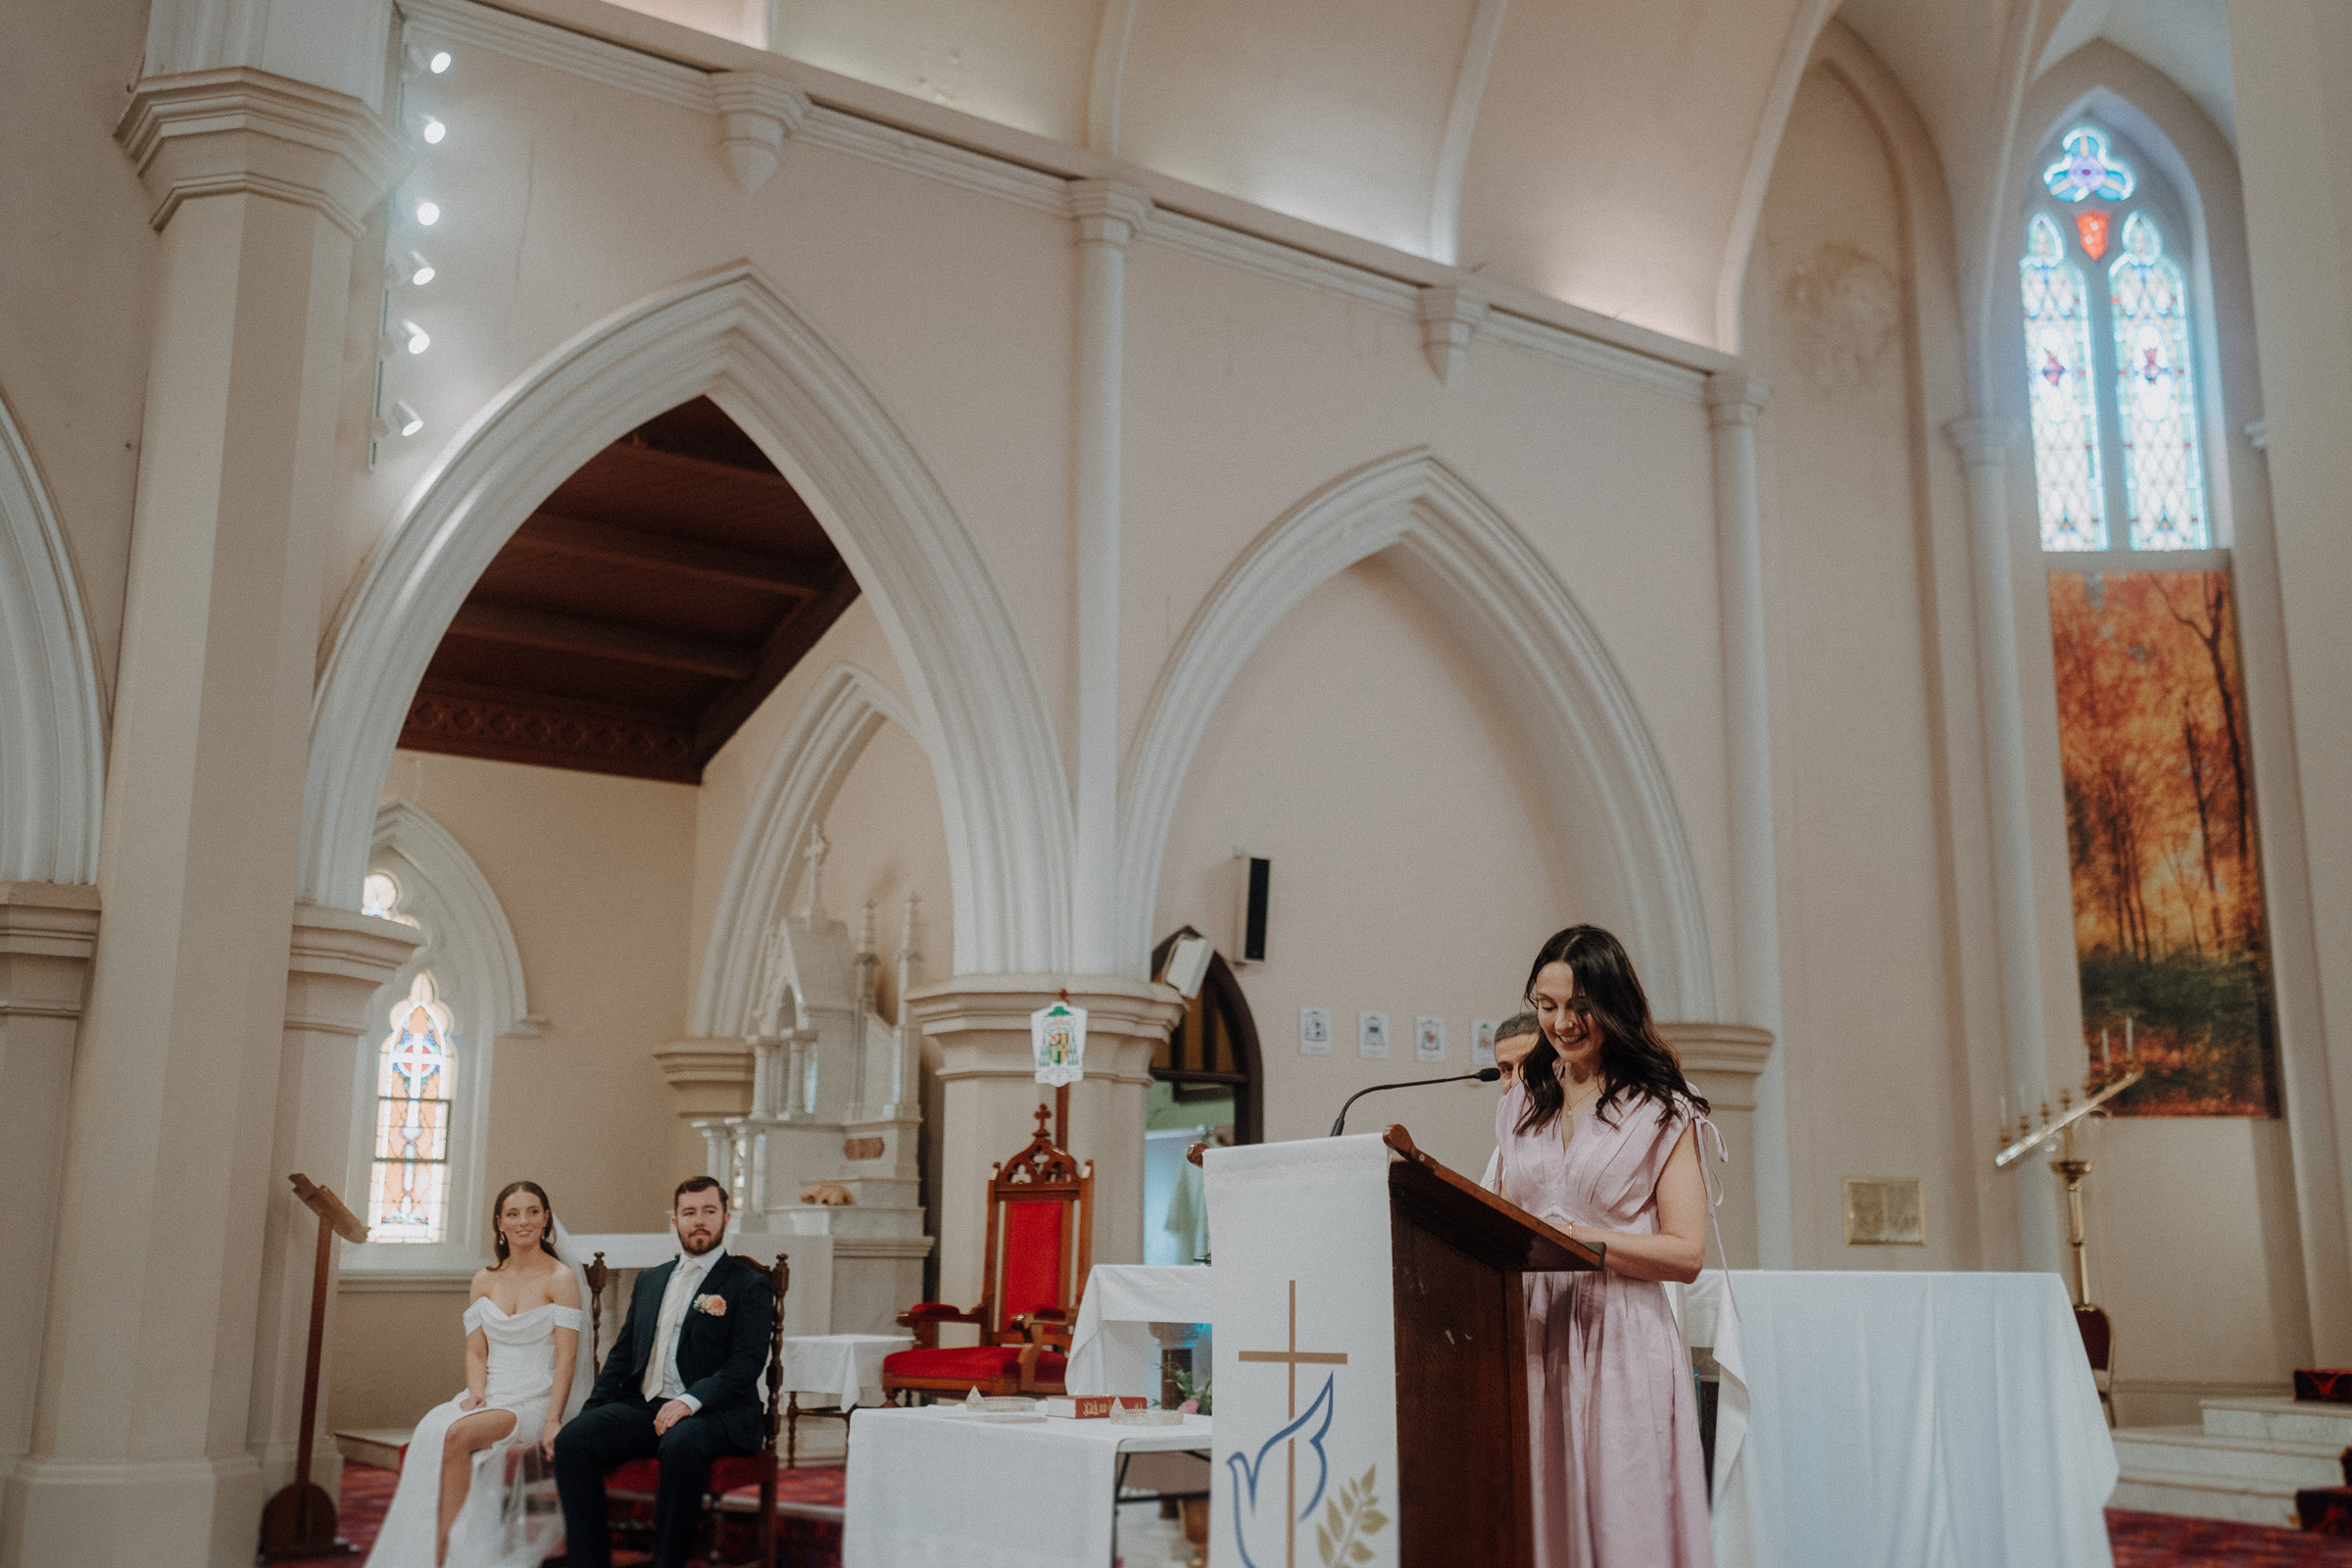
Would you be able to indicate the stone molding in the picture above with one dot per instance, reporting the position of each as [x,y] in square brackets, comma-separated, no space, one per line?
[1107,212]
[52,732]
[1734,396]
[1610,787]
[981,706]
[1984,443]
[48,931]
[848,707]
[1729,1054]
[1452,316]
[712,1078]
[238,131]
[980,1022]
[755,113]
[336,962]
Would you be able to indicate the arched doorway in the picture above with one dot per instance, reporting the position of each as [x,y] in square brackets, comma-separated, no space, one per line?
[1207,1082]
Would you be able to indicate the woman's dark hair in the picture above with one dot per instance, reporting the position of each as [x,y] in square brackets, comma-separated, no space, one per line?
[546,1237]
[1636,1061]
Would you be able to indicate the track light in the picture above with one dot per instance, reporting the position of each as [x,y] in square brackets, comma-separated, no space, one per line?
[410,268]
[432,62]
[419,270]
[418,340]
[434,130]
[439,63]
[428,213]
[405,420]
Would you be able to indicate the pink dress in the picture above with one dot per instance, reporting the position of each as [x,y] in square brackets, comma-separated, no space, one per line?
[1618,1478]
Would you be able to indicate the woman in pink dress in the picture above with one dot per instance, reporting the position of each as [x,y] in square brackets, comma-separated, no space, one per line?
[1599,1136]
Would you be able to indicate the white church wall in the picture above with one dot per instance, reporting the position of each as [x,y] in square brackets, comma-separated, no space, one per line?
[1357,750]
[1871,1068]
[76,373]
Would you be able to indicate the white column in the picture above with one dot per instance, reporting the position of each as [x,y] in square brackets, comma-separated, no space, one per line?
[1984,445]
[1734,399]
[1107,217]
[140,1452]
[47,930]
[334,965]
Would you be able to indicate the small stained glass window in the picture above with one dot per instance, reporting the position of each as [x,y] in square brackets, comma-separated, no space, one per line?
[2066,420]
[2163,478]
[2085,170]
[379,898]
[407,1196]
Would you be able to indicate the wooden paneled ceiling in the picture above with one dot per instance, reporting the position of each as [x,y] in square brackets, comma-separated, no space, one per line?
[636,619]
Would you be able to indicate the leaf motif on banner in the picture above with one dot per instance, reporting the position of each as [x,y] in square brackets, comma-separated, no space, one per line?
[1348,1519]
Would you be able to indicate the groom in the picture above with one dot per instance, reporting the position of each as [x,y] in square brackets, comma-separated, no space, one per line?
[682,1382]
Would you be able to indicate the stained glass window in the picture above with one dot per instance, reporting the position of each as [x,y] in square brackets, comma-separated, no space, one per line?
[2085,170]
[409,1188]
[2066,420]
[2163,481]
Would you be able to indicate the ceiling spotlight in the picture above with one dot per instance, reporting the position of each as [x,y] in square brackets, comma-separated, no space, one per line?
[407,420]
[419,339]
[439,63]
[434,130]
[419,270]
[428,213]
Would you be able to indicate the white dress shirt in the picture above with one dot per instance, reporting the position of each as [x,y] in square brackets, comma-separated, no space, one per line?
[662,1380]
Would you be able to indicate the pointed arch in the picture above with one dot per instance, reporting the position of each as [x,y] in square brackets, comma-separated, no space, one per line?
[1609,797]
[729,334]
[52,736]
[845,711]
[465,916]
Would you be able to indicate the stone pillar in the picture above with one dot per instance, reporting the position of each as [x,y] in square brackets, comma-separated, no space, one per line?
[988,1079]
[336,962]
[1734,399]
[139,1454]
[1107,217]
[46,932]
[1983,445]
[2293,63]
[1724,1061]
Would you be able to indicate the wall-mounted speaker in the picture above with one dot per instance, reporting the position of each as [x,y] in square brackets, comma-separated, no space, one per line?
[1253,876]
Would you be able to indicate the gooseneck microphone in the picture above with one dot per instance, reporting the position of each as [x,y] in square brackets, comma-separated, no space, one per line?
[1483,1075]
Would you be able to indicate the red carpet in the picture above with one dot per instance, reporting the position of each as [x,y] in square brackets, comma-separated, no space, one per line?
[807,1530]
[2162,1541]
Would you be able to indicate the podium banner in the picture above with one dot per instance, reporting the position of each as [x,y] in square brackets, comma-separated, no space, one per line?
[1305,1375]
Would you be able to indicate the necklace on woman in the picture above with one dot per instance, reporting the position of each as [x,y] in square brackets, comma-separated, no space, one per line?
[1577,1099]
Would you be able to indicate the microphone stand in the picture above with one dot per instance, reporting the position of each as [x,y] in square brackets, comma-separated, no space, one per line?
[1483,1075]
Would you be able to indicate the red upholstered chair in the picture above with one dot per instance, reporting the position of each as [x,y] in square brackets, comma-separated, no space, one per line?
[2098,1343]
[637,1480]
[1039,1240]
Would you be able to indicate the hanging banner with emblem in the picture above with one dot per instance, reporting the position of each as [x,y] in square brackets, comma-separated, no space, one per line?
[1057,1036]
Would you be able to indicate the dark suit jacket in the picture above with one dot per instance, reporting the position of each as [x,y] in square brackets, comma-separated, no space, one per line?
[722,1357]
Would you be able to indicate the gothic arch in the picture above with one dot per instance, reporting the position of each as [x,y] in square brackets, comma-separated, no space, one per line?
[828,735]
[52,738]
[729,334]
[1607,790]
[466,918]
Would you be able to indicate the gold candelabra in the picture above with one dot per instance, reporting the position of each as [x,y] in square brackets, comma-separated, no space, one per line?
[2069,1163]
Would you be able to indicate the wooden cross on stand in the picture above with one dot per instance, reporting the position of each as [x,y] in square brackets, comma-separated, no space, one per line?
[1290,1357]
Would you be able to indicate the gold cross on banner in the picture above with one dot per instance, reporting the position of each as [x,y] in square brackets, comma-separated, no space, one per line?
[1290,1358]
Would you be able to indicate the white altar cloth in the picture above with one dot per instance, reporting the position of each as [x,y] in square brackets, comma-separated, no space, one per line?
[1933,1420]
[1112,1349]
[845,1368]
[930,1490]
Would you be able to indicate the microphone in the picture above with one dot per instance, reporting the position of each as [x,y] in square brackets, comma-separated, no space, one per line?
[1483,1075]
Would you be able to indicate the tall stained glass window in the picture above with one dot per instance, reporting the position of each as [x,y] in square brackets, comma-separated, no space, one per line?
[2062,393]
[2164,482]
[408,1191]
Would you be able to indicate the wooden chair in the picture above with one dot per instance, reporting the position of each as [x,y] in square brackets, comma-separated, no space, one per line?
[1040,1242]
[2098,1343]
[637,1480]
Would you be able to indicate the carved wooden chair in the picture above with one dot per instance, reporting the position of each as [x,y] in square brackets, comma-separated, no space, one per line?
[1033,1273]
[2098,1343]
[637,1480]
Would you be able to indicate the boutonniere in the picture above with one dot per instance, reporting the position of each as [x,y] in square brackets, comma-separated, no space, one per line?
[715,1306]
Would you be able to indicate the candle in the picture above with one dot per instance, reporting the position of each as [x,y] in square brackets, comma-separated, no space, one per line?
[2130,1050]
[2004,1108]
[2102,1050]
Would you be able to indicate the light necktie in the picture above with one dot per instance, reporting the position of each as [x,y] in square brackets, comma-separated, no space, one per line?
[665,1328]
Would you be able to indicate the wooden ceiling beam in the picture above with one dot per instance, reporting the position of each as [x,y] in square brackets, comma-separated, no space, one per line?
[628,645]
[786,645]
[579,537]
[767,479]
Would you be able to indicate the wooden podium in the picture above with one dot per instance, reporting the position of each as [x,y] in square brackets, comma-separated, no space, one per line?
[1371,1378]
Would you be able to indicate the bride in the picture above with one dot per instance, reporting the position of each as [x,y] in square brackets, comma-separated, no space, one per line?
[460,1496]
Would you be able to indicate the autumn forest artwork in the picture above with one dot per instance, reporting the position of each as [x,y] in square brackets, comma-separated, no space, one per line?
[2169,932]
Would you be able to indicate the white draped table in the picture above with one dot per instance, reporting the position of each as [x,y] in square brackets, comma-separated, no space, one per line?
[1931,1420]
[845,1369]
[929,1489]
[1112,1349]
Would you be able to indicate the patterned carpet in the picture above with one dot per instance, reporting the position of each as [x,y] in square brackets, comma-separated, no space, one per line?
[808,1526]
[2162,1541]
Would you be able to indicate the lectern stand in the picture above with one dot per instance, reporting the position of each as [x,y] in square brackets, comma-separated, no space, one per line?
[1371,1377]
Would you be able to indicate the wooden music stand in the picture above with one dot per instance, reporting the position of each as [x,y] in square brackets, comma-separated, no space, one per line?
[300,1521]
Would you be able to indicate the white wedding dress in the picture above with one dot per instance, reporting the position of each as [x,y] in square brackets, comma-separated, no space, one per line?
[509,1518]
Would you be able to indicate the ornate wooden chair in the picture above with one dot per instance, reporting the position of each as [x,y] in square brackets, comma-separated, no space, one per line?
[2098,1343]
[1040,1242]
[637,1480]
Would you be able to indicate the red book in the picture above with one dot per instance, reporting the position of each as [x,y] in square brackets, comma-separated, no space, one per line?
[1090,1406]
